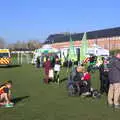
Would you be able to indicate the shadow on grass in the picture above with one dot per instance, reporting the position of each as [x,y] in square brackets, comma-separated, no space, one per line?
[14,66]
[19,99]
[64,79]
[10,66]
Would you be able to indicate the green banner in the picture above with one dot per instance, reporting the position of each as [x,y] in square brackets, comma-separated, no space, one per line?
[72,53]
[84,48]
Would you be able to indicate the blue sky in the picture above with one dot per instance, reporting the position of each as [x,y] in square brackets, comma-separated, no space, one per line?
[36,19]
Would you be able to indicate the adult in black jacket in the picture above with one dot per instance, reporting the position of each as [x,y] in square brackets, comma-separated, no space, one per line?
[104,82]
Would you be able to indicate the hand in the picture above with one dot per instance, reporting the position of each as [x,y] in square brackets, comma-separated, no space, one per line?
[106,70]
[82,78]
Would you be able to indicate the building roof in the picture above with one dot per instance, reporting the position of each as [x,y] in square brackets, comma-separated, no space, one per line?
[56,38]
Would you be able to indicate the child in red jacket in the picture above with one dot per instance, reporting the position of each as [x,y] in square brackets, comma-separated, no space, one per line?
[87,76]
[87,80]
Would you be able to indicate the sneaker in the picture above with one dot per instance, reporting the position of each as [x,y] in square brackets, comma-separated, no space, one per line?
[110,105]
[8,105]
[86,93]
[11,103]
[1,104]
[117,106]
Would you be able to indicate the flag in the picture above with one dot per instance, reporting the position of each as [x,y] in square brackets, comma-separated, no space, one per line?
[84,47]
[71,53]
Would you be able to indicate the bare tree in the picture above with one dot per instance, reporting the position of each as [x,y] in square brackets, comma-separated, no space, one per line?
[24,45]
[18,45]
[33,44]
[11,46]
[2,43]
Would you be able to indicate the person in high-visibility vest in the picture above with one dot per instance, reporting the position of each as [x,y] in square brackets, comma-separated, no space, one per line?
[5,94]
[44,59]
[99,61]
[62,61]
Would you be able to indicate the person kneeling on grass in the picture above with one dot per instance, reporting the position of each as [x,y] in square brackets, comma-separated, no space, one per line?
[75,78]
[5,94]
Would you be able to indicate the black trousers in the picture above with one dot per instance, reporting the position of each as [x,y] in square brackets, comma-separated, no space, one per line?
[86,88]
[104,84]
[56,76]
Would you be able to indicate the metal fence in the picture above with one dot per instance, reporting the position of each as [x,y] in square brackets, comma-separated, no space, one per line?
[18,58]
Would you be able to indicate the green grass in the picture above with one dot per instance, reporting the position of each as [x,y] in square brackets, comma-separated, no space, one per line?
[50,102]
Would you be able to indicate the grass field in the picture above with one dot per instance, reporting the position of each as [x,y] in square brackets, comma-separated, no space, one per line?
[37,101]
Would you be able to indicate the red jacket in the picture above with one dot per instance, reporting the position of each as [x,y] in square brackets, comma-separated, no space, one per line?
[87,77]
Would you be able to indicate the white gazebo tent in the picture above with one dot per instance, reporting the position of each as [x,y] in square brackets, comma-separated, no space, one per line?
[98,51]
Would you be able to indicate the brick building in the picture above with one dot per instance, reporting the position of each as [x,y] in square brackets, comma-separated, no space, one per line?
[107,39]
